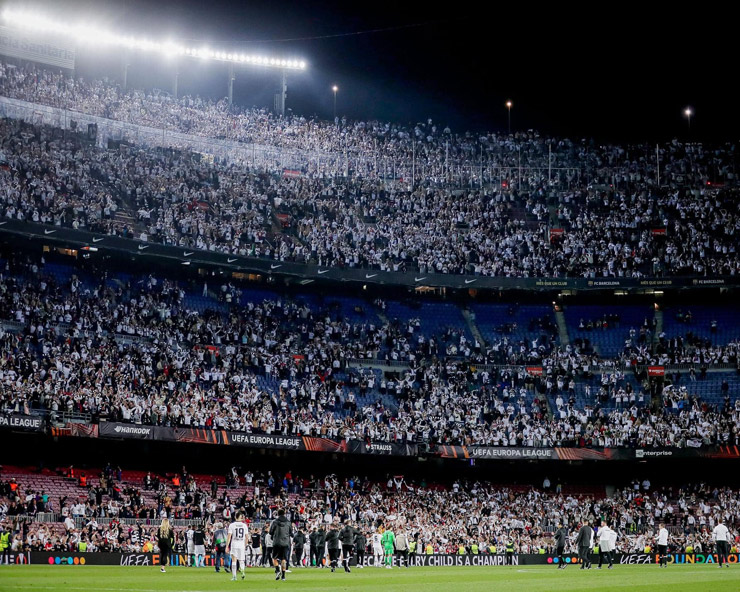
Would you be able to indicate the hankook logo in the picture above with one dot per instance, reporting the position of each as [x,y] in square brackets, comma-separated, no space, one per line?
[132,430]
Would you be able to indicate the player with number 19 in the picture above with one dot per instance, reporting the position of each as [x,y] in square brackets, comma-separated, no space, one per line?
[236,543]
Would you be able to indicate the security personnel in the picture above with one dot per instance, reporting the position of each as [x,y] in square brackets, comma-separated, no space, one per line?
[461,549]
[4,545]
[219,547]
[429,549]
[492,549]
[474,548]
[510,553]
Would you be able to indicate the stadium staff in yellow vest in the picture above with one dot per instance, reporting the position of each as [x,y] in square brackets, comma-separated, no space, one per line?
[510,553]
[429,549]
[4,544]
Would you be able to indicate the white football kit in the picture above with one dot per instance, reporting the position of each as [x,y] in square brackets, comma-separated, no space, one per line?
[238,532]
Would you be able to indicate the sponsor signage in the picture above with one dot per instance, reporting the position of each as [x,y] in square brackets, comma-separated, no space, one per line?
[265,441]
[676,558]
[228,438]
[534,370]
[381,448]
[14,558]
[77,560]
[22,422]
[524,453]
[656,370]
[315,444]
[37,47]
[642,453]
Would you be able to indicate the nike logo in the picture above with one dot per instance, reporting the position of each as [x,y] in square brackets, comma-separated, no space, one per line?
[97,240]
[186,254]
[229,260]
[275,266]
[49,231]
[416,279]
[470,281]
[370,275]
[323,271]
[142,247]
[186,262]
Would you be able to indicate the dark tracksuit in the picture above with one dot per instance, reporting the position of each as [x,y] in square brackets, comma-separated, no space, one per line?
[561,536]
[332,544]
[298,541]
[583,542]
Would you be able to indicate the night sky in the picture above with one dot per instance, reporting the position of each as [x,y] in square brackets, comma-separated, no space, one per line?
[619,73]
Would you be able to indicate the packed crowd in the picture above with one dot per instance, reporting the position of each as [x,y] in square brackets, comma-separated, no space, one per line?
[439,518]
[135,351]
[616,222]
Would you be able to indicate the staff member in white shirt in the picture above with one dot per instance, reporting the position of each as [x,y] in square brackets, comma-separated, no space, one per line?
[662,546]
[607,543]
[721,536]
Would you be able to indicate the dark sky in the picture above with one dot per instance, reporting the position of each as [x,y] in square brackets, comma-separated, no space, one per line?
[617,72]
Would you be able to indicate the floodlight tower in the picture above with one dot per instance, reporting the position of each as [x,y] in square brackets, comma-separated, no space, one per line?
[230,83]
[281,93]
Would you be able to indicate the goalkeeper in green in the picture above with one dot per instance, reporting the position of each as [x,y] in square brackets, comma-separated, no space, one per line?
[389,547]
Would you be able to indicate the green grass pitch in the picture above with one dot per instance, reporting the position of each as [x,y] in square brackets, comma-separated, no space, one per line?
[691,578]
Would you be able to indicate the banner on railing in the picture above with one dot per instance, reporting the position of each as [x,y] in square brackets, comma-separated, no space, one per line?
[229,438]
[318,444]
[572,453]
[117,246]
[22,422]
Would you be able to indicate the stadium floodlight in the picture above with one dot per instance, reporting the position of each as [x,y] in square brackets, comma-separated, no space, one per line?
[89,34]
